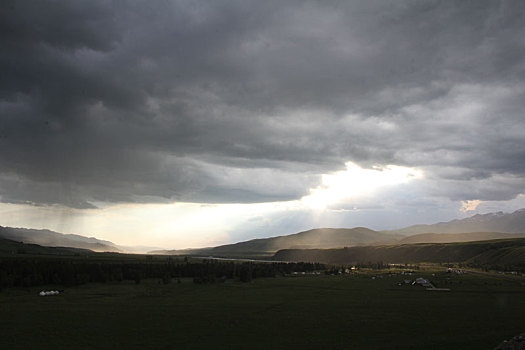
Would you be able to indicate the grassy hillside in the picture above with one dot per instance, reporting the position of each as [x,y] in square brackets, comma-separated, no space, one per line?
[306,312]
[316,238]
[510,251]
[457,237]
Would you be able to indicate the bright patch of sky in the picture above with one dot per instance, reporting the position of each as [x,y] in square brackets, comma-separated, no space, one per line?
[356,182]
[185,225]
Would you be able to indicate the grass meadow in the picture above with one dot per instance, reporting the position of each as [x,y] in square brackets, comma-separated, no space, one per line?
[299,312]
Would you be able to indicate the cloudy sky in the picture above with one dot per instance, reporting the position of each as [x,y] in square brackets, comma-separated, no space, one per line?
[194,123]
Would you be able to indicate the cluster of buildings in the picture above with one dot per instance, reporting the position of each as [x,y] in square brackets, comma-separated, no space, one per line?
[424,283]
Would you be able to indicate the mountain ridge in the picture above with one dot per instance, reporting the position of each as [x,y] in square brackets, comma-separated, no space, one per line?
[50,238]
[318,238]
[488,226]
[497,225]
[491,222]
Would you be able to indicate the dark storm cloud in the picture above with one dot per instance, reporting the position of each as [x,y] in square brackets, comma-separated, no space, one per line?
[248,102]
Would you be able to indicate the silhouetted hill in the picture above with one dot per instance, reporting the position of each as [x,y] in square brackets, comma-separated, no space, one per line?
[10,247]
[492,222]
[457,237]
[509,251]
[55,239]
[316,238]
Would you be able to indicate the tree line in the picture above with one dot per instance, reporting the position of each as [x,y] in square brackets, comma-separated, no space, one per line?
[27,272]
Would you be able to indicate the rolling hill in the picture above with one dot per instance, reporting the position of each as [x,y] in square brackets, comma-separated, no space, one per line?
[501,252]
[316,238]
[457,237]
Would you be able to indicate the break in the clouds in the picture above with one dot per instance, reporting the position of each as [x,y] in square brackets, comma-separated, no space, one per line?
[253,101]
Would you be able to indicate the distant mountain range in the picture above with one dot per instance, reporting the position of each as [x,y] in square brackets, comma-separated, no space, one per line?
[333,238]
[475,228]
[316,238]
[54,239]
[492,222]
[495,254]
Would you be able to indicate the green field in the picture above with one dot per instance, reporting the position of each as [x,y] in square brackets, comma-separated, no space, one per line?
[303,312]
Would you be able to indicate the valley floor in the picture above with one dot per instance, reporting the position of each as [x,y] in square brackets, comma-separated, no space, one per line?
[301,312]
